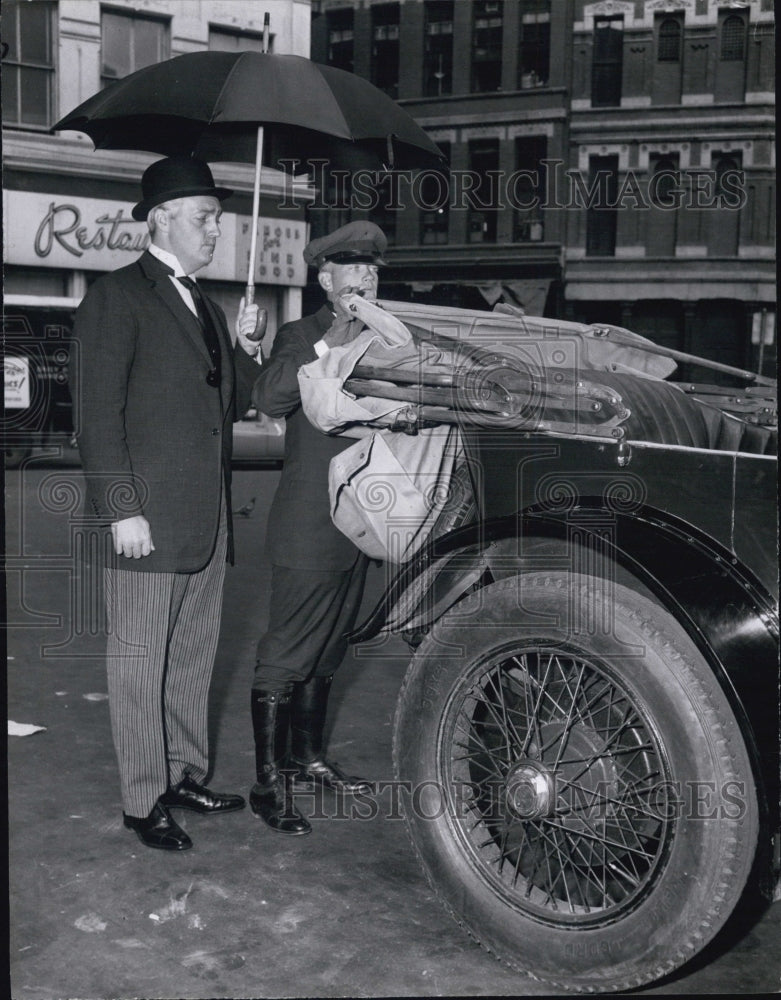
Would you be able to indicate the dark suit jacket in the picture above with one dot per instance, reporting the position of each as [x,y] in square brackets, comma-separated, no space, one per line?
[154,437]
[300,532]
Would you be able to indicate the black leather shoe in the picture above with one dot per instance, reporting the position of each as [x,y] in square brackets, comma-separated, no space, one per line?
[188,794]
[321,772]
[158,829]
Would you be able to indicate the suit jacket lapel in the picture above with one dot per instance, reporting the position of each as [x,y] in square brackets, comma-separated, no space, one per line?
[226,350]
[160,279]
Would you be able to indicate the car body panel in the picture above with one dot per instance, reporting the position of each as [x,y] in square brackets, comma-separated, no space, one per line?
[695,527]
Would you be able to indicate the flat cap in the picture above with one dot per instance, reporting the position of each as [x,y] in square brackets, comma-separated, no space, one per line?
[355,243]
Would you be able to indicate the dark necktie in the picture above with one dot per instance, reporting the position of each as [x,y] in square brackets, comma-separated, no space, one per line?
[210,336]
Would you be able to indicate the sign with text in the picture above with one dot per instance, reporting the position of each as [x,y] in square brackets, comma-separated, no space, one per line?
[279,250]
[91,234]
[16,376]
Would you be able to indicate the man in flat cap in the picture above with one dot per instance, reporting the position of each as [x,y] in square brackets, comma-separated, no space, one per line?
[156,388]
[317,573]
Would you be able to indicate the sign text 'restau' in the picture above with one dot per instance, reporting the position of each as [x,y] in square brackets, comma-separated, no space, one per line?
[63,224]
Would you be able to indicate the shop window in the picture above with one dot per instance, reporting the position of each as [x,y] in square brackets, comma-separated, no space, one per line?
[733,38]
[225,40]
[601,212]
[486,46]
[535,44]
[433,199]
[484,206]
[331,207]
[384,215]
[130,41]
[528,191]
[385,48]
[668,46]
[608,62]
[719,331]
[28,64]
[341,39]
[438,59]
[660,320]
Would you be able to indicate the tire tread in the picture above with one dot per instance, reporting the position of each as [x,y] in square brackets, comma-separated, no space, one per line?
[701,697]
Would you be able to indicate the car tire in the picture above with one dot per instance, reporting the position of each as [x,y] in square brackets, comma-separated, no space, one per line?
[581,797]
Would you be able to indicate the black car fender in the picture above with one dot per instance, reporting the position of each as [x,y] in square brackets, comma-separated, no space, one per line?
[725,609]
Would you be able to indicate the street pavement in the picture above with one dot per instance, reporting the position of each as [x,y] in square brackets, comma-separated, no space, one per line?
[246,913]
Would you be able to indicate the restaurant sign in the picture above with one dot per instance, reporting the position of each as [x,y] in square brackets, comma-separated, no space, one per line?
[91,234]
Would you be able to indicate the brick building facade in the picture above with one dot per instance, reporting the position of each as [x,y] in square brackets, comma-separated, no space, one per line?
[609,161]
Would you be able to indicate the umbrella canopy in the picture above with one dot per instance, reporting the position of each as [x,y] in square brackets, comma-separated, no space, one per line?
[210,104]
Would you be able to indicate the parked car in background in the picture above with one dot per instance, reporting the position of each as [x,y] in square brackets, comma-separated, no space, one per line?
[258,440]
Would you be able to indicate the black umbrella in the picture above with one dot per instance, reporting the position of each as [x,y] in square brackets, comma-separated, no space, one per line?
[254,107]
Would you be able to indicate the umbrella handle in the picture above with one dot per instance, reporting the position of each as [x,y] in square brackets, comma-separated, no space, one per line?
[249,294]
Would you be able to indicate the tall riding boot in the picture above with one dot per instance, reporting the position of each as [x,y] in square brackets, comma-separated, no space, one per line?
[307,722]
[271,798]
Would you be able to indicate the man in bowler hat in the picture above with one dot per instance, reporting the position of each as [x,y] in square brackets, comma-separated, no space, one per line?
[317,573]
[156,388]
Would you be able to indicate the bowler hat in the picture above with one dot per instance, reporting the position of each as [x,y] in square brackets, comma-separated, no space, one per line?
[355,243]
[176,177]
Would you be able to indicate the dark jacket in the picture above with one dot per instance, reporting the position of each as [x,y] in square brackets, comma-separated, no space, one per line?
[300,532]
[154,437]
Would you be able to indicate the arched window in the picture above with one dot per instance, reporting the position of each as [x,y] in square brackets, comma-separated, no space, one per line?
[669,44]
[733,37]
[726,166]
[666,173]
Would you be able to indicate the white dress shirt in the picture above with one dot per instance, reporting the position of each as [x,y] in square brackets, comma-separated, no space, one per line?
[171,260]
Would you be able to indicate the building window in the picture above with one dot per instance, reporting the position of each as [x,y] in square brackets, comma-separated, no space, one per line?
[535,44]
[130,42]
[438,64]
[486,46]
[28,65]
[225,40]
[341,39]
[728,180]
[385,48]
[601,212]
[608,62]
[434,198]
[733,38]
[661,223]
[484,204]
[668,47]
[528,191]
[666,180]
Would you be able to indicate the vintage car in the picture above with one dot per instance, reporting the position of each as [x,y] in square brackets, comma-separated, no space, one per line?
[589,724]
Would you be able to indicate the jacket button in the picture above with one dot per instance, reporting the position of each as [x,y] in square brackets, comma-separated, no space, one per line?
[215,431]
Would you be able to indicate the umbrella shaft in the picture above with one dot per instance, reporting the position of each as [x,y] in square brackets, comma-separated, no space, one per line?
[253,246]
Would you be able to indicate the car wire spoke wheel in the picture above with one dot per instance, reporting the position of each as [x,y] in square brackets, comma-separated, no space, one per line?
[564,788]
[583,801]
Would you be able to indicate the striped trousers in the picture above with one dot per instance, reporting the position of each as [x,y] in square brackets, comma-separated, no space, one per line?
[163,632]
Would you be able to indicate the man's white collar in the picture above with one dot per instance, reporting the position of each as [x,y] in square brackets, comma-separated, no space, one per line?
[169,259]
